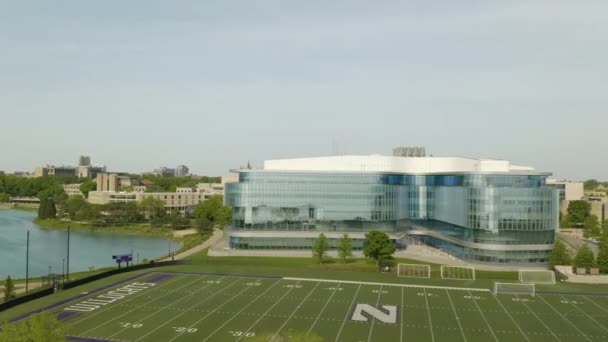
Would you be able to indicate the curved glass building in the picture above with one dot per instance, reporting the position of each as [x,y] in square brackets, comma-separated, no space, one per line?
[478,210]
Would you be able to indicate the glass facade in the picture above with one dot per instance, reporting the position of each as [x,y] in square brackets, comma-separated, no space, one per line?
[502,218]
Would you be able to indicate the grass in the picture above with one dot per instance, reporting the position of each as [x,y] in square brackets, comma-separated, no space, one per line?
[224,308]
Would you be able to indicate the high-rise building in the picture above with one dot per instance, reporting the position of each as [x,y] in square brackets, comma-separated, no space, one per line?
[84,161]
[475,209]
[181,171]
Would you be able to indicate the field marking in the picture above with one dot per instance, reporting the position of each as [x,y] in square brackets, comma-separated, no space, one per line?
[586,314]
[428,313]
[402,313]
[95,313]
[294,312]
[371,329]
[511,317]
[221,305]
[564,318]
[594,303]
[163,308]
[539,319]
[323,309]
[484,317]
[190,308]
[246,306]
[347,312]
[139,306]
[390,284]
[456,315]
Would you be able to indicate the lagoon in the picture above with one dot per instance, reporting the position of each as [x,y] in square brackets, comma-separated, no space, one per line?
[48,247]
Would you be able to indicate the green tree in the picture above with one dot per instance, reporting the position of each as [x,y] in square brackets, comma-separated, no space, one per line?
[203,224]
[178,221]
[584,257]
[214,211]
[153,209]
[559,255]
[345,248]
[4,197]
[564,222]
[578,211]
[9,289]
[379,246]
[602,255]
[42,327]
[47,208]
[73,204]
[320,247]
[591,184]
[88,186]
[592,226]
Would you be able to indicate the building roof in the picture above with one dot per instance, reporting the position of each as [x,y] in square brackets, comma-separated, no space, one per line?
[393,164]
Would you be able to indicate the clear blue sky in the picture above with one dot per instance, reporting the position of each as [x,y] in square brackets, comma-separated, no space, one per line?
[212,84]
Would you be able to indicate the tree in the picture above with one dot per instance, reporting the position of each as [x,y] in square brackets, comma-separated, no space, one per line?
[73,204]
[47,208]
[584,257]
[591,184]
[345,248]
[214,211]
[592,226]
[153,208]
[178,221]
[88,186]
[379,246]
[559,255]
[203,224]
[320,247]
[602,255]
[9,289]
[578,211]
[39,327]
[4,197]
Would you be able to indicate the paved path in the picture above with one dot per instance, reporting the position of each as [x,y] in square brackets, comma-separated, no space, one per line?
[217,236]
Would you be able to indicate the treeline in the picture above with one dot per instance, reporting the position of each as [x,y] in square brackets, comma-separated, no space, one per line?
[34,187]
[206,215]
[579,215]
[593,184]
[584,257]
[170,184]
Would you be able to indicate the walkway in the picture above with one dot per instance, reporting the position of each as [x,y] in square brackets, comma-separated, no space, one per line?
[216,237]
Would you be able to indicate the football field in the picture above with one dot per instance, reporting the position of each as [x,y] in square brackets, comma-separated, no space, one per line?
[172,306]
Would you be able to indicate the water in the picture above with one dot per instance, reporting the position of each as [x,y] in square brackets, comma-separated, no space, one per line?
[48,247]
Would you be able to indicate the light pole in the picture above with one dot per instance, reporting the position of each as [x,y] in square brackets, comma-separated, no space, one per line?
[63,269]
[27,261]
[67,264]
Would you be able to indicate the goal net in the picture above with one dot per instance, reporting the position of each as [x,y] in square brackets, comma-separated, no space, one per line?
[515,288]
[458,272]
[413,271]
[537,277]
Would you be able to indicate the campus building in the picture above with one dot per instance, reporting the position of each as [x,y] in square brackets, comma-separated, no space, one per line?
[476,209]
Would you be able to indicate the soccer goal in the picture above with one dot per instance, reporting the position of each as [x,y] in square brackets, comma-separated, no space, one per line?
[458,272]
[413,271]
[537,277]
[515,288]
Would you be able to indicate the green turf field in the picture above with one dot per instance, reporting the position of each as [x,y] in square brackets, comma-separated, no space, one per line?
[198,307]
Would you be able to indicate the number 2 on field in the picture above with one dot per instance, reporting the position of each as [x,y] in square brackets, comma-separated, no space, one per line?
[182,330]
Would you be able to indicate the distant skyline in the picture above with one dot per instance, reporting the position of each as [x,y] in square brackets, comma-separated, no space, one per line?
[211,85]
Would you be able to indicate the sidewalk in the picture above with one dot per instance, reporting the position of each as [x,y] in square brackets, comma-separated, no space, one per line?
[217,236]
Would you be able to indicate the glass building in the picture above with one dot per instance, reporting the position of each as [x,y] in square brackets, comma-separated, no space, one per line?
[478,210]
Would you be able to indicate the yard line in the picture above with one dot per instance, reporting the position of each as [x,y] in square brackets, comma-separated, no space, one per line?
[456,314]
[246,306]
[564,318]
[139,306]
[483,316]
[323,309]
[167,283]
[371,329]
[511,317]
[164,307]
[538,318]
[190,308]
[428,312]
[594,303]
[217,308]
[586,314]
[294,311]
[347,312]
[402,312]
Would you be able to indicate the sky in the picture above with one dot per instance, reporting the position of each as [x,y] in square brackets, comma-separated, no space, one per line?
[214,84]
